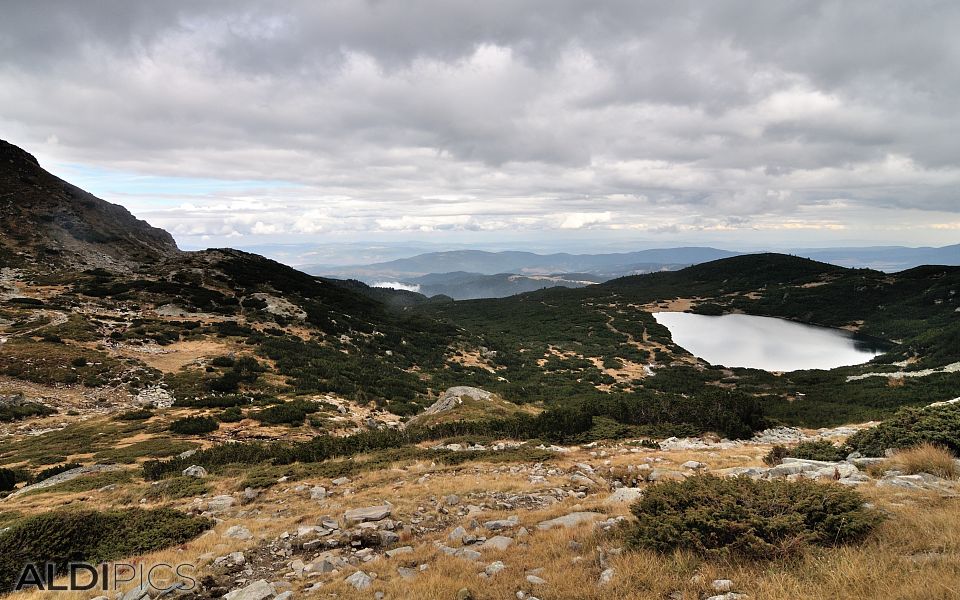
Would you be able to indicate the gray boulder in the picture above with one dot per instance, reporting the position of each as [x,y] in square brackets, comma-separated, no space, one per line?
[368,513]
[195,471]
[571,520]
[258,590]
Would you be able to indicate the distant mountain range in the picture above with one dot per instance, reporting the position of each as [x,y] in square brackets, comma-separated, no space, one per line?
[470,274]
[884,258]
[529,263]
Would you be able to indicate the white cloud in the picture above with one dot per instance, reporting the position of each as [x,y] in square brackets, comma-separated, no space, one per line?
[422,118]
[397,285]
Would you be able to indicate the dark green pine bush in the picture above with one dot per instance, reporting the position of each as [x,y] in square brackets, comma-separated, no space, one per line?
[8,480]
[910,427]
[288,413]
[231,415]
[194,425]
[812,450]
[743,518]
[64,536]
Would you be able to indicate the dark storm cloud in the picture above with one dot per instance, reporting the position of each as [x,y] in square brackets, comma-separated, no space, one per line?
[501,115]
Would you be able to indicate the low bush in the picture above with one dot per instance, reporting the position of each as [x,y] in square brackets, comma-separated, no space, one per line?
[288,413]
[910,427]
[231,415]
[176,488]
[16,412]
[926,458]
[740,517]
[64,536]
[194,425]
[8,480]
[818,450]
[776,455]
[141,414]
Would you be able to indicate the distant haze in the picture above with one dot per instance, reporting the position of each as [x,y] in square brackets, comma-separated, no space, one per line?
[463,124]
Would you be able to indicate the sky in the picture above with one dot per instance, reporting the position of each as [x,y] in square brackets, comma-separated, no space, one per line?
[499,123]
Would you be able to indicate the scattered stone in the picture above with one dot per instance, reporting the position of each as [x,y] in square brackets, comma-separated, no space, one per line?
[250,494]
[624,494]
[341,481]
[606,576]
[195,471]
[366,514]
[238,532]
[469,554]
[693,465]
[571,520]
[407,573]
[220,503]
[399,551]
[721,585]
[234,559]
[464,594]
[499,524]
[536,580]
[497,542]
[318,493]
[388,538]
[494,568]
[452,500]
[258,590]
[359,580]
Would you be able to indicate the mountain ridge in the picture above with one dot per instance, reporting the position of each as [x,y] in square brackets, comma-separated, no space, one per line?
[48,222]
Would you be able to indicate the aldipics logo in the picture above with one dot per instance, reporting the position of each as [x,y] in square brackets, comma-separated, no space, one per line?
[81,577]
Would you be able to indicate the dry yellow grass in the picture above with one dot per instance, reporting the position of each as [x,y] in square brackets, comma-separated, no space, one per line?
[926,458]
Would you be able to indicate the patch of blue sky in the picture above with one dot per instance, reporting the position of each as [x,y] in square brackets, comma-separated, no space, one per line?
[160,189]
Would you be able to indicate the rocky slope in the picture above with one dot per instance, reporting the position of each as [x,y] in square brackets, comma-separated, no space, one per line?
[47,222]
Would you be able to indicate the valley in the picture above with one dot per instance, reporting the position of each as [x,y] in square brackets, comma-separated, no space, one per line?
[327,438]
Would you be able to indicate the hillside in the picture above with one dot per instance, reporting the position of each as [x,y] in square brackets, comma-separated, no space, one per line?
[46,222]
[343,439]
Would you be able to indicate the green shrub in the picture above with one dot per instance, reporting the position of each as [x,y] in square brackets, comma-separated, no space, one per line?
[8,480]
[231,415]
[222,361]
[18,411]
[909,427]
[141,414]
[776,455]
[177,488]
[740,517]
[288,413]
[818,450]
[64,536]
[194,425]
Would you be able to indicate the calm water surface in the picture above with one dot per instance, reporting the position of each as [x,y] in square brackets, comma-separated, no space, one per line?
[766,343]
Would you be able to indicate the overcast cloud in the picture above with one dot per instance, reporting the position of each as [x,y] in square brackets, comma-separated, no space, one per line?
[241,122]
